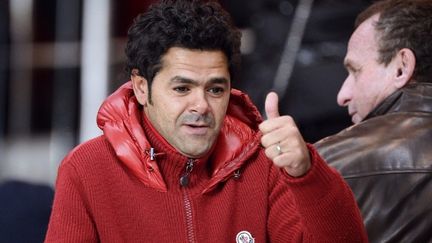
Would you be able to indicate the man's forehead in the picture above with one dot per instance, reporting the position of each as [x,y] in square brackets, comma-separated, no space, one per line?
[363,41]
[365,31]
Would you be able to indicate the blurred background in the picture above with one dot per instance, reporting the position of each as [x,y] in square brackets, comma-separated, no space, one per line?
[60,58]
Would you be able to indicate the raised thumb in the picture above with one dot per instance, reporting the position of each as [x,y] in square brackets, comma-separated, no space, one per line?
[271,105]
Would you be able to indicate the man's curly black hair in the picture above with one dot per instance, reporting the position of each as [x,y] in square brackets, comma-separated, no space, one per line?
[191,24]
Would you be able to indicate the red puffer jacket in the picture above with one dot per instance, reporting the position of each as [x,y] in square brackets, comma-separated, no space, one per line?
[115,189]
[119,118]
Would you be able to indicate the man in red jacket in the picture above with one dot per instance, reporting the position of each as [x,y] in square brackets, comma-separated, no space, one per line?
[186,158]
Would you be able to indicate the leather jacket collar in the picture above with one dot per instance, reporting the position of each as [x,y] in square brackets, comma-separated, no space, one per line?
[415,97]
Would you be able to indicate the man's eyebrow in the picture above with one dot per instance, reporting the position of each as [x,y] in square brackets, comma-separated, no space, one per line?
[219,81]
[184,80]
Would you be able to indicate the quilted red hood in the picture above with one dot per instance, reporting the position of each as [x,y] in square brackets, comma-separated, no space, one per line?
[120,119]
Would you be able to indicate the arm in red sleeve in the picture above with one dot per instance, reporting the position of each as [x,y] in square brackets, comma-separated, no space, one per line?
[70,219]
[318,207]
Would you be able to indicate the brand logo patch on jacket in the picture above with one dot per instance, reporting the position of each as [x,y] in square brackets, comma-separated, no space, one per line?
[244,237]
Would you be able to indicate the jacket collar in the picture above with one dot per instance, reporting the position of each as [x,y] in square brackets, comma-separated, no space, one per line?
[415,97]
[120,119]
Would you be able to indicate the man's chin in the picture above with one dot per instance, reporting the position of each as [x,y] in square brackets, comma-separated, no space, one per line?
[356,119]
[198,151]
[195,154]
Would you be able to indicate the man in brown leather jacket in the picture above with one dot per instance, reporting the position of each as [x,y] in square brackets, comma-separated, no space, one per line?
[386,156]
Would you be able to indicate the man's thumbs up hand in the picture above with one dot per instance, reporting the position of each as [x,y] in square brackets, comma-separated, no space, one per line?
[282,140]
[271,105]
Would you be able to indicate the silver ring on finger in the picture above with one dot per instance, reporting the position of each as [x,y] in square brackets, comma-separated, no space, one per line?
[279,149]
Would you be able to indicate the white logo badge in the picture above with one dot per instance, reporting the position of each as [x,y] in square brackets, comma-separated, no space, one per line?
[244,237]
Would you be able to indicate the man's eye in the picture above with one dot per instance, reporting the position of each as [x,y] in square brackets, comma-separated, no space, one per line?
[181,89]
[216,90]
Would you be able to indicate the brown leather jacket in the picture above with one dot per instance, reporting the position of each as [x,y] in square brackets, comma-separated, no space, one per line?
[387,161]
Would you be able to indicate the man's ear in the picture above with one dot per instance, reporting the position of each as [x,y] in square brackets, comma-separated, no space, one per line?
[140,88]
[405,65]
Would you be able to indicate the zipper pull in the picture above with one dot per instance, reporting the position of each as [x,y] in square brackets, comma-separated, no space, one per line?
[152,154]
[184,179]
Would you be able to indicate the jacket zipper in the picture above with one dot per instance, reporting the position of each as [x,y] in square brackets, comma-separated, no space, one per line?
[184,182]
[184,179]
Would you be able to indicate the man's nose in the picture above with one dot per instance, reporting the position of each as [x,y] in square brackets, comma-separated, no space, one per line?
[199,102]
[345,93]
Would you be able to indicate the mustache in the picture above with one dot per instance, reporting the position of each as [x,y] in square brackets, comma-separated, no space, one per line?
[191,118]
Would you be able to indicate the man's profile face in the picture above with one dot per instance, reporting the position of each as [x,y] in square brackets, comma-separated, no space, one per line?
[369,82]
[190,96]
